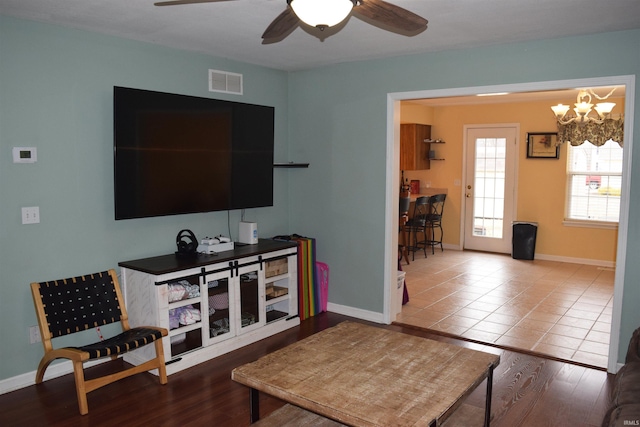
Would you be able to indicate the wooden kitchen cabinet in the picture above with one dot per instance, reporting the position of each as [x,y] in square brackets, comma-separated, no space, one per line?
[414,152]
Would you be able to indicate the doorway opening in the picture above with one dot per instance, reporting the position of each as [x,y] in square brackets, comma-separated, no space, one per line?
[393,120]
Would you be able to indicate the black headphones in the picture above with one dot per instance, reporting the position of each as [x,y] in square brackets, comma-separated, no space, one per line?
[186,242]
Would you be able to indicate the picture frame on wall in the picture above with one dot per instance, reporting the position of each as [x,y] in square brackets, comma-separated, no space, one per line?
[542,145]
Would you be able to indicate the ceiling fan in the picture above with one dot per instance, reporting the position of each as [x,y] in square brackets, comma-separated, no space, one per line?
[322,14]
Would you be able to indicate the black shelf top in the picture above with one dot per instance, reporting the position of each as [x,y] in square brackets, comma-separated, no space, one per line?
[170,263]
[291,165]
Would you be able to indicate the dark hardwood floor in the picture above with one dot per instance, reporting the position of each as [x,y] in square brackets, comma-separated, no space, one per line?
[527,391]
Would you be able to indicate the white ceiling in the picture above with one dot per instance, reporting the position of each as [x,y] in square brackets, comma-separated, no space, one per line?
[233,29]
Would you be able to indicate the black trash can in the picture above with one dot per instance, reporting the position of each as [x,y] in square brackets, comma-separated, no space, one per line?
[524,239]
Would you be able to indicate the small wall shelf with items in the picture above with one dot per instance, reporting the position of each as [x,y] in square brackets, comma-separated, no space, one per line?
[432,153]
[212,304]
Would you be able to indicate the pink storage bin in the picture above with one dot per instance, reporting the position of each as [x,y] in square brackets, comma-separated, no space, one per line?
[323,281]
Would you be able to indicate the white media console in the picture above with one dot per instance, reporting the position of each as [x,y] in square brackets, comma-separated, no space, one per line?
[212,304]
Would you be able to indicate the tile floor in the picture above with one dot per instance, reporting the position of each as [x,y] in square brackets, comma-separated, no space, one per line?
[555,308]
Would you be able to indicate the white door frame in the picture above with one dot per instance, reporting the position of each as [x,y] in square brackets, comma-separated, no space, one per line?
[393,184]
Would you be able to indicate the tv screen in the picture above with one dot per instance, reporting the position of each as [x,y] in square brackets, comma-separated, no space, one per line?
[178,154]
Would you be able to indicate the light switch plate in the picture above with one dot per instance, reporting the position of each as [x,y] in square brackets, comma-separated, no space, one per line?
[31,215]
[25,155]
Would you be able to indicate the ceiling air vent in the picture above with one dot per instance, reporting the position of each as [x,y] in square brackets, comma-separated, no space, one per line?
[224,81]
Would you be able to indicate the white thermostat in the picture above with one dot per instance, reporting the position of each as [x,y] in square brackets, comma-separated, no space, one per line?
[25,155]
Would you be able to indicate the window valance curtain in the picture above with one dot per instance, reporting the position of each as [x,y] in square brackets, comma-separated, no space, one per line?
[576,133]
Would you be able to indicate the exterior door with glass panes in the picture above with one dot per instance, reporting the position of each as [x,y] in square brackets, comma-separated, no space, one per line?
[220,311]
[489,187]
[251,298]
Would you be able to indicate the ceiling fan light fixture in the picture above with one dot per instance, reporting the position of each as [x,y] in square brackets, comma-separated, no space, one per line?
[321,13]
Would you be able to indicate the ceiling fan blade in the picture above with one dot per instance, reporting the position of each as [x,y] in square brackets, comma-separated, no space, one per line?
[282,25]
[179,2]
[390,15]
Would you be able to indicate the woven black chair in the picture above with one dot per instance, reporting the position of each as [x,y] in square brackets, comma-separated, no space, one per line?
[76,304]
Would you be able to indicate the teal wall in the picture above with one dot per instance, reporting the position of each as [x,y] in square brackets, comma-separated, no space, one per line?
[338,120]
[56,94]
[56,91]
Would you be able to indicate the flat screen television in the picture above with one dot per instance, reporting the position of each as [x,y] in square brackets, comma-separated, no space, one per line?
[178,154]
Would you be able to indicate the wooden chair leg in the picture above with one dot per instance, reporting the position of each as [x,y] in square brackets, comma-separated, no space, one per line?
[78,373]
[42,366]
[162,370]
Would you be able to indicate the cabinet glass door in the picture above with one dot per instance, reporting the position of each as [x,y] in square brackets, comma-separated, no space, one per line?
[219,307]
[251,298]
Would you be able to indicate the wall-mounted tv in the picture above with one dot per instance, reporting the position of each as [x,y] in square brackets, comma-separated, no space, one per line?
[178,154]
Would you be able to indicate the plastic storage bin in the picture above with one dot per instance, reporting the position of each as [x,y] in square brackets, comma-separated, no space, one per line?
[524,239]
[323,279]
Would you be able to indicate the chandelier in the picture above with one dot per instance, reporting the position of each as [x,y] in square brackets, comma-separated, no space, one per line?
[588,122]
[322,13]
[583,108]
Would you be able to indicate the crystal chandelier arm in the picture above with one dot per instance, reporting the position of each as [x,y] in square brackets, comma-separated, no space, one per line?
[579,120]
[603,97]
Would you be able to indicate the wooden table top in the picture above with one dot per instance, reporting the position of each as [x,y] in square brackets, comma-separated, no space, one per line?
[367,376]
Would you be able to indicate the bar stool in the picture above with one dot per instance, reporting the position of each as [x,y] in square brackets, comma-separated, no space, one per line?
[434,219]
[417,225]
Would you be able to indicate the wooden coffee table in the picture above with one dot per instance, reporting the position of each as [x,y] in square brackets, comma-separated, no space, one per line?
[367,376]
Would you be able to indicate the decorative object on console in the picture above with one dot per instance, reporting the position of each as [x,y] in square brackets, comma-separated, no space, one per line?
[248,232]
[187,244]
[214,245]
[594,124]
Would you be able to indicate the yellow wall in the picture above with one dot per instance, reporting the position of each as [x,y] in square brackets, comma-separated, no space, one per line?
[541,182]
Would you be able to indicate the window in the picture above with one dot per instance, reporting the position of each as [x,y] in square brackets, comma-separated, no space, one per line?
[594,182]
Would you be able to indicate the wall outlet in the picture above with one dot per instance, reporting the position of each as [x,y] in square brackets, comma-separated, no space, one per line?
[34,334]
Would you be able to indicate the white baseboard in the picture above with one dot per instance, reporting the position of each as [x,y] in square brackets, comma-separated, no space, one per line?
[545,257]
[358,313]
[586,261]
[53,371]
